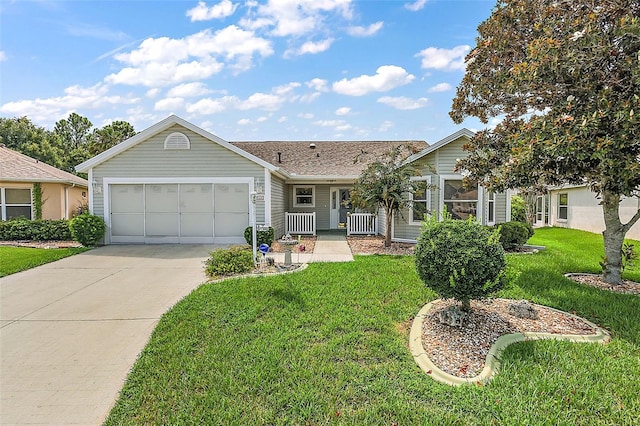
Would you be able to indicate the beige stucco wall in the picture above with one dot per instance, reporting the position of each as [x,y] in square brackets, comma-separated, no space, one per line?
[55,204]
[585,212]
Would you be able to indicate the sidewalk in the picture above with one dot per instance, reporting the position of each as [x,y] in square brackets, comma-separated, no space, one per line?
[328,248]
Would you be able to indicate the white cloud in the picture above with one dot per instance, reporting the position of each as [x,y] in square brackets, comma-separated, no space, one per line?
[285,89]
[282,119]
[386,125]
[75,98]
[310,97]
[306,115]
[403,103]
[203,13]
[365,31]
[211,106]
[3,56]
[152,93]
[294,18]
[387,77]
[169,104]
[189,90]
[318,84]
[310,47]
[440,87]
[264,101]
[262,119]
[343,111]
[416,5]
[443,59]
[164,61]
[244,122]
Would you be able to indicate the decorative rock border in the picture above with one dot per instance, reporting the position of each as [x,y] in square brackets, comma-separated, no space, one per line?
[492,363]
[302,267]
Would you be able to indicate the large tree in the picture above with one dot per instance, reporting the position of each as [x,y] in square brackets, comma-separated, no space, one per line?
[385,183]
[20,134]
[109,136]
[564,77]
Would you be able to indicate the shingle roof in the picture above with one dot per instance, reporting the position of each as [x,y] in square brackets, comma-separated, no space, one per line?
[328,158]
[15,166]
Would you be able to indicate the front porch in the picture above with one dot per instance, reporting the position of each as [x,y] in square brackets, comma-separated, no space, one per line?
[355,224]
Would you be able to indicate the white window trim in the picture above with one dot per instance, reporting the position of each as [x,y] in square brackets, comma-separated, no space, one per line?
[479,204]
[491,207]
[563,205]
[427,200]
[3,201]
[313,196]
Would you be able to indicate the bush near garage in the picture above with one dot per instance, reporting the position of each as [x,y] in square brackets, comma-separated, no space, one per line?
[229,261]
[460,259]
[262,237]
[36,230]
[87,229]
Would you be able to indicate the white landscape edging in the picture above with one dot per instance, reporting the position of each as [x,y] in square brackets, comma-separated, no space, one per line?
[492,362]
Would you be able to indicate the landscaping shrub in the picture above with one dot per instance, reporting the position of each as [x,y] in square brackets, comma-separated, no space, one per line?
[87,229]
[262,237]
[38,230]
[460,259]
[518,209]
[514,235]
[233,260]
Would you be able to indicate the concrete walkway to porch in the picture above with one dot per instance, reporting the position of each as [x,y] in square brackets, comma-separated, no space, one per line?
[331,246]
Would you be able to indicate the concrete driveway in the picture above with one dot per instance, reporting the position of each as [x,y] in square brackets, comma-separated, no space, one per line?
[71,330]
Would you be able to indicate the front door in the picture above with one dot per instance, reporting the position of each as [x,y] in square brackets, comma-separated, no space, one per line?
[340,206]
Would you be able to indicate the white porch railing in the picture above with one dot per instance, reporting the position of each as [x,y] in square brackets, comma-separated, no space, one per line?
[362,224]
[300,223]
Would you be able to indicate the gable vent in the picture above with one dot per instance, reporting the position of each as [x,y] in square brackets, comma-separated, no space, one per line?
[177,140]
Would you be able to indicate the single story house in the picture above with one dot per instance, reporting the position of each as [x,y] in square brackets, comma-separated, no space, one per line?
[577,207]
[62,193]
[177,183]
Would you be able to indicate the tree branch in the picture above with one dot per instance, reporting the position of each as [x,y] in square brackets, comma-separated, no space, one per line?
[631,222]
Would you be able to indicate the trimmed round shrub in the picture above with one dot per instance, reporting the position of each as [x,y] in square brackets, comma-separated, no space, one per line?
[458,259]
[229,261]
[514,235]
[262,237]
[87,229]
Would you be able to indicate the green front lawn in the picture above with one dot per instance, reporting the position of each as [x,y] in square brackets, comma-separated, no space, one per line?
[16,259]
[328,345]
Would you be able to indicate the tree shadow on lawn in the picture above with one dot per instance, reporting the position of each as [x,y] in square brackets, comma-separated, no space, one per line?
[615,312]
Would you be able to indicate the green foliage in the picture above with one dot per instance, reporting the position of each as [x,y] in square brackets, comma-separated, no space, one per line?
[37,200]
[460,259]
[37,230]
[564,78]
[514,235]
[384,183]
[518,209]
[229,261]
[262,237]
[87,229]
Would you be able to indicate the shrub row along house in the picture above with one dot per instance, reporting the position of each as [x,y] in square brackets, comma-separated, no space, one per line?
[30,188]
[177,183]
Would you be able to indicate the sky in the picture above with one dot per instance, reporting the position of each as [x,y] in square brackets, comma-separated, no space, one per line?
[242,69]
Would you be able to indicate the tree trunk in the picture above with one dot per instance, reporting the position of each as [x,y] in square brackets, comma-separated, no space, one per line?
[613,234]
[389,217]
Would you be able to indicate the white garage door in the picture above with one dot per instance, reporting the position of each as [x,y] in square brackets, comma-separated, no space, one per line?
[179,213]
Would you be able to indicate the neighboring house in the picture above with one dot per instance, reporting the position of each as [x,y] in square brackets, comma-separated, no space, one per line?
[177,183]
[575,206]
[62,192]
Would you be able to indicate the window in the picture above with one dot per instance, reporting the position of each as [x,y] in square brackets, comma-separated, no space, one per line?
[304,196]
[563,206]
[491,208]
[460,201]
[421,202]
[15,202]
